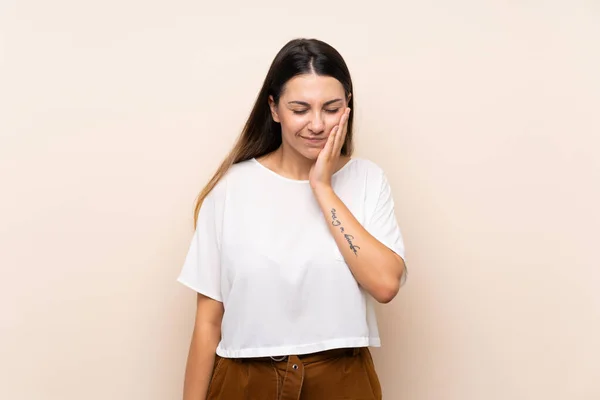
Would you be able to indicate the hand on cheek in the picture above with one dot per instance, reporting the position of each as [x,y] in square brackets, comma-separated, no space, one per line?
[324,167]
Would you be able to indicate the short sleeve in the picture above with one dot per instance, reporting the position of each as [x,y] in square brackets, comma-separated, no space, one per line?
[202,266]
[382,222]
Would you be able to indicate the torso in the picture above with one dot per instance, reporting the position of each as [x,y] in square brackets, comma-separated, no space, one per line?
[284,284]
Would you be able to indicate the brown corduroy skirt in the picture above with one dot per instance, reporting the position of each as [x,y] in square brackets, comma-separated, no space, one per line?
[337,374]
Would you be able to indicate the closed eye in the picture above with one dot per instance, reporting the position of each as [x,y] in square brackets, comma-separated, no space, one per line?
[304,111]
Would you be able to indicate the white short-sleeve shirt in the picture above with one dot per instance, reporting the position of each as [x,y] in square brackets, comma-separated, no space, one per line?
[262,246]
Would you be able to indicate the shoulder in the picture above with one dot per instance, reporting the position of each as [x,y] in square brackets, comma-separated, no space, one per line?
[241,174]
[359,167]
[372,176]
[366,164]
[237,174]
[241,169]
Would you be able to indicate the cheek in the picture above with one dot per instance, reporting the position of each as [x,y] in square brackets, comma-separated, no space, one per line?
[293,123]
[333,118]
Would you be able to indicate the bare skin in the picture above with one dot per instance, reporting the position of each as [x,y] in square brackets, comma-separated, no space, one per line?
[375,267]
[201,356]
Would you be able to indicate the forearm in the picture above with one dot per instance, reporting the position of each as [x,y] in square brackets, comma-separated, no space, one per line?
[200,362]
[375,267]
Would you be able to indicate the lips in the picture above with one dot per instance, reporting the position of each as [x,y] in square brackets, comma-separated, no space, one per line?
[314,140]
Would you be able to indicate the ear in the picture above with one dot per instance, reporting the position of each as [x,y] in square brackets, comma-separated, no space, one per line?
[273,107]
[348,99]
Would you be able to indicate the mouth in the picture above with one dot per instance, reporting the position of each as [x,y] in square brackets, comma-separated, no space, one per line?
[314,140]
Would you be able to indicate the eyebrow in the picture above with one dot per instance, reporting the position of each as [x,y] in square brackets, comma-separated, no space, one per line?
[303,103]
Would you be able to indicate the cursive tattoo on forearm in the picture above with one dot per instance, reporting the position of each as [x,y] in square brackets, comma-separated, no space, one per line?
[349,238]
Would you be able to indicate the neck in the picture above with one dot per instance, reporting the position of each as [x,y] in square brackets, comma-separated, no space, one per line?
[291,164]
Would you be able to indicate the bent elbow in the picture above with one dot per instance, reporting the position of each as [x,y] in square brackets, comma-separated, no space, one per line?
[387,292]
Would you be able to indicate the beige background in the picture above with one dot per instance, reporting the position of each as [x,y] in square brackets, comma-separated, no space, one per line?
[485,117]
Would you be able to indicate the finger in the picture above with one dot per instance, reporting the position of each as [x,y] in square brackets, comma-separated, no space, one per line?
[348,111]
[337,144]
[329,146]
[341,135]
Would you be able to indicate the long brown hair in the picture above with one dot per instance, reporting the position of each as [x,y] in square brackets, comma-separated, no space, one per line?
[261,134]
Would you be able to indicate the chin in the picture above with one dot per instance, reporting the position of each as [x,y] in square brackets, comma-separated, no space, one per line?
[308,152]
[311,154]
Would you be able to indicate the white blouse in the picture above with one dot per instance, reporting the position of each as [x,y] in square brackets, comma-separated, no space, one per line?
[262,247]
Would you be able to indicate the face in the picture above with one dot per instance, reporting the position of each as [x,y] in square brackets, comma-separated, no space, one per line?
[309,107]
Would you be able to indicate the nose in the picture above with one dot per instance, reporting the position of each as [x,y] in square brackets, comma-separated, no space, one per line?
[316,125]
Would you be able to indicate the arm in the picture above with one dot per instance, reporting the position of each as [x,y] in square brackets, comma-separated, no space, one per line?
[201,356]
[374,266]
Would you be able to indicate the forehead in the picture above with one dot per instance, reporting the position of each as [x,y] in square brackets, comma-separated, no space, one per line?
[312,88]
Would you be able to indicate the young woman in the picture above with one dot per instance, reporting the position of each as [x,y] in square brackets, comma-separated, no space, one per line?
[293,241]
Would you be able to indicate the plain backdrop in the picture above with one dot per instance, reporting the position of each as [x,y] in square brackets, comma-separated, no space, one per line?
[484,115]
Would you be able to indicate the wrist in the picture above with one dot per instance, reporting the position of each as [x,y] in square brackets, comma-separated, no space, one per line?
[322,190]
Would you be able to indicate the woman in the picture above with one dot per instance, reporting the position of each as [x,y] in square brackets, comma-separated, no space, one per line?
[294,239]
